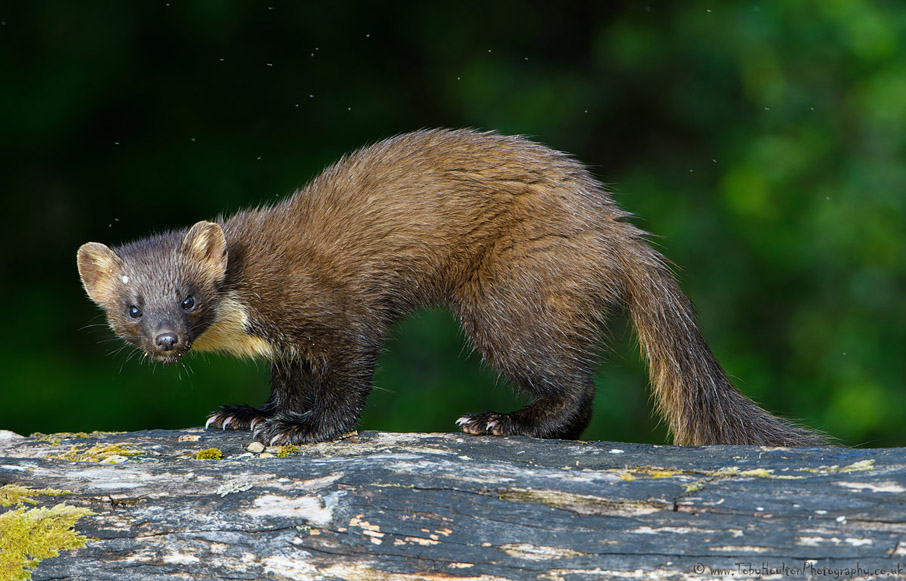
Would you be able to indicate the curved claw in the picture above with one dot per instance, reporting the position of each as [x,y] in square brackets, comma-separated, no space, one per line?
[210,421]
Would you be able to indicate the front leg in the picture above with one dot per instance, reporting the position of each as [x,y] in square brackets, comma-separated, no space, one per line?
[317,403]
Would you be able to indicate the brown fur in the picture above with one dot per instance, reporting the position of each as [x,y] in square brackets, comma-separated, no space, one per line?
[523,245]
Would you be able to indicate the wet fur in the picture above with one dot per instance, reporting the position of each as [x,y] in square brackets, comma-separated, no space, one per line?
[519,241]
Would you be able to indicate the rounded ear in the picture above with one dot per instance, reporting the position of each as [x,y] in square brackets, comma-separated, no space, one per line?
[100,269]
[205,244]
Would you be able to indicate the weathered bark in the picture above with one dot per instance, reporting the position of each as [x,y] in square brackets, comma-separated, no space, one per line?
[435,506]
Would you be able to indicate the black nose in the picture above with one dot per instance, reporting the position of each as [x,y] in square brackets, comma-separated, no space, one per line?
[166,341]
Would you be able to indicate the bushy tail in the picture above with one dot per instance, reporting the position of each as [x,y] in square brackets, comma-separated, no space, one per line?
[690,387]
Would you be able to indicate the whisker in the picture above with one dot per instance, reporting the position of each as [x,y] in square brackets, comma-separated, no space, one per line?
[115,352]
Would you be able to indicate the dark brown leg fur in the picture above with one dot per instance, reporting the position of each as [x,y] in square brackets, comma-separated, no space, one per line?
[315,404]
[304,406]
[545,347]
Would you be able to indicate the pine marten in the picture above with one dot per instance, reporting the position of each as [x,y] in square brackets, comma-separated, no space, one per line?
[523,245]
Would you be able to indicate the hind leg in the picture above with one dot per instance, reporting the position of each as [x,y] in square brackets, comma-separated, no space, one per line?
[535,307]
[544,340]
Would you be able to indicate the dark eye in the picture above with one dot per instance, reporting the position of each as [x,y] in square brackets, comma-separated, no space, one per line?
[188,303]
[135,312]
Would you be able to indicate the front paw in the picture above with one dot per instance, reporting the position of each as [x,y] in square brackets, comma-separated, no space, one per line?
[295,429]
[488,424]
[237,417]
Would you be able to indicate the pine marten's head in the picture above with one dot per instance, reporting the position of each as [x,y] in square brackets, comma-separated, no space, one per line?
[160,293]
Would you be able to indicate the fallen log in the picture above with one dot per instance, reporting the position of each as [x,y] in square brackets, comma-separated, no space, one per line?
[194,503]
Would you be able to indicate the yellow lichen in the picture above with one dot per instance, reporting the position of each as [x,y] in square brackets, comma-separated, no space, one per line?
[57,437]
[11,494]
[631,472]
[28,536]
[105,453]
[209,454]
[735,471]
[287,450]
[664,473]
[732,471]
[860,466]
[695,486]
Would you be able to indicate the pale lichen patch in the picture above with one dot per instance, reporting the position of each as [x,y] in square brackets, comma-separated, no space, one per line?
[531,552]
[858,542]
[290,567]
[582,503]
[308,508]
[362,572]
[816,541]
[646,530]
[860,466]
[180,559]
[740,549]
[292,484]
[233,486]
[890,487]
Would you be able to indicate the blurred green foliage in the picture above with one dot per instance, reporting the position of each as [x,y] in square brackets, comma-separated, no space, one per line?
[764,144]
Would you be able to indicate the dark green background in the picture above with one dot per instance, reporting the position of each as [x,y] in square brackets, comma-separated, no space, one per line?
[763,142]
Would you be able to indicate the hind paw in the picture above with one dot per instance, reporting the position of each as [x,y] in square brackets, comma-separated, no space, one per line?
[487,423]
